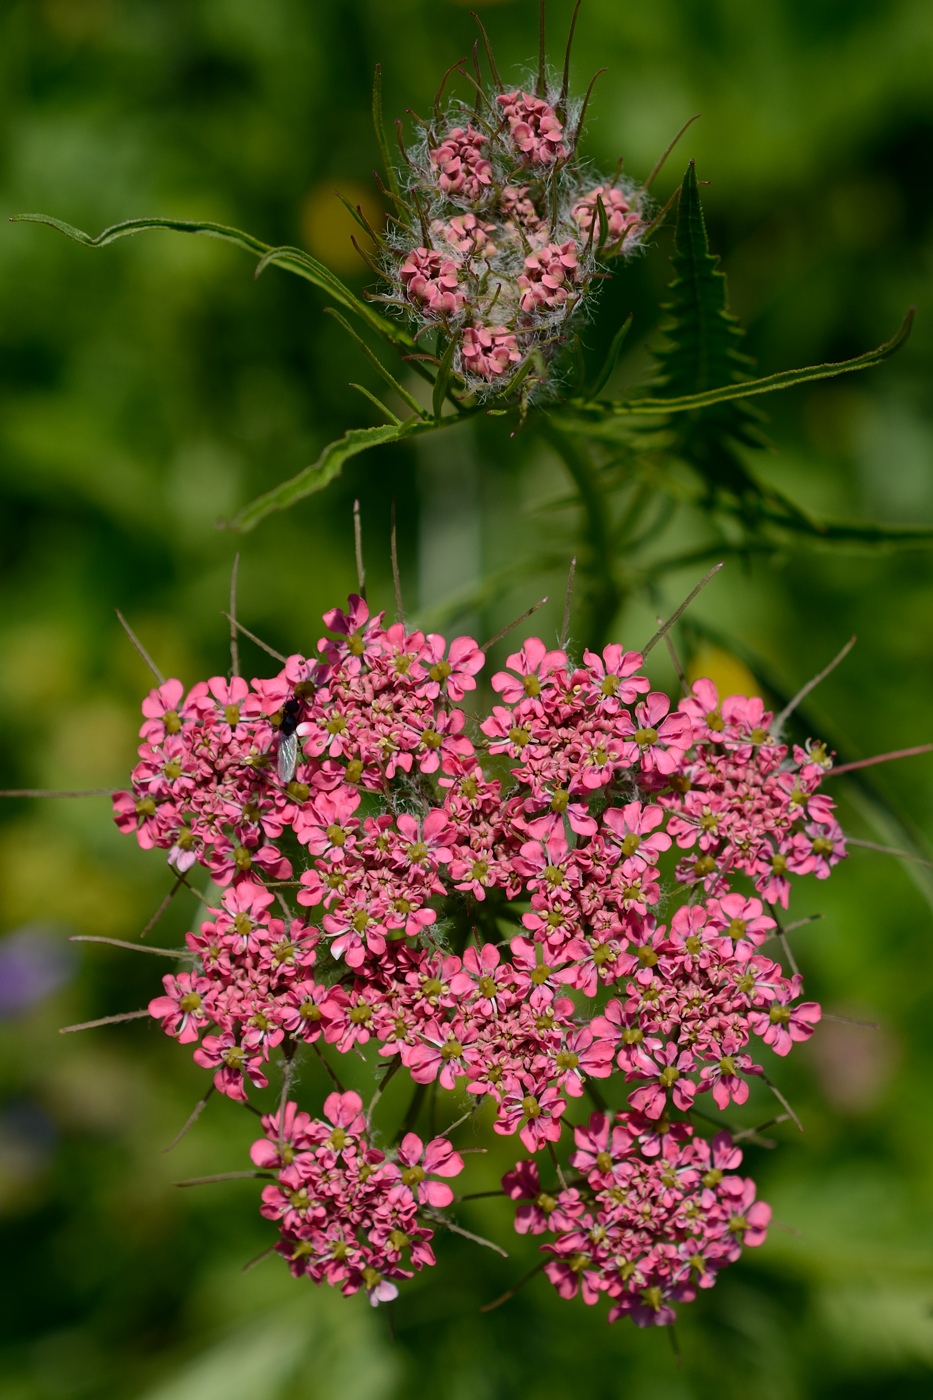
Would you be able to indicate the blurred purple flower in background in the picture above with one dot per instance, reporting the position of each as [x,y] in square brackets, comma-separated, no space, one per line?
[35,960]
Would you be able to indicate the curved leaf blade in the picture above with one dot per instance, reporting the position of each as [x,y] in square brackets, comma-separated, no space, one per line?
[442,380]
[612,358]
[131,226]
[294,260]
[786,379]
[376,363]
[380,130]
[320,473]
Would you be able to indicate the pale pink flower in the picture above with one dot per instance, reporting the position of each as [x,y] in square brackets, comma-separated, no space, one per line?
[622,217]
[467,235]
[489,351]
[432,280]
[534,128]
[549,277]
[463,170]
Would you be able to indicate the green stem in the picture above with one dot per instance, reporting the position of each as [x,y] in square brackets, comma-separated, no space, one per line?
[414,1108]
[602,592]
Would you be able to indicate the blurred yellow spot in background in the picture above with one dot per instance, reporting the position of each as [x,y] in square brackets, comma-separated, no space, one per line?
[48,876]
[729,675]
[327,227]
[75,20]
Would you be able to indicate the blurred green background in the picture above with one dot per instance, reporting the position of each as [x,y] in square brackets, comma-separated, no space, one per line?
[149,388]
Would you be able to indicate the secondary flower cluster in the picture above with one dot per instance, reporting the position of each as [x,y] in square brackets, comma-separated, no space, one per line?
[349,1214]
[651,1218]
[499,230]
[411,836]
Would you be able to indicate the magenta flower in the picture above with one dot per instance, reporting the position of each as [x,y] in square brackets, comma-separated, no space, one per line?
[611,680]
[536,1116]
[327,825]
[454,673]
[742,920]
[441,1055]
[539,1211]
[537,670]
[725,1078]
[662,738]
[181,1010]
[781,1024]
[235,1065]
[666,1069]
[632,825]
[416,1161]
[165,713]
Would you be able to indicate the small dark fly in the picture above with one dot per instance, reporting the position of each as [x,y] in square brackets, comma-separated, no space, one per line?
[288,740]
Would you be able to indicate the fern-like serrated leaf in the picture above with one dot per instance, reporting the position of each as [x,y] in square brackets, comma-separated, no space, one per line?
[704,338]
[703,352]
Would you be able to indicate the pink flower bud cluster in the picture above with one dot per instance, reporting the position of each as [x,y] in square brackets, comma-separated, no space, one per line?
[653,1215]
[497,237]
[405,854]
[622,216]
[351,1215]
[534,128]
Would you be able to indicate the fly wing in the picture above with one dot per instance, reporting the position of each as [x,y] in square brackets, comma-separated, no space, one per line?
[287,757]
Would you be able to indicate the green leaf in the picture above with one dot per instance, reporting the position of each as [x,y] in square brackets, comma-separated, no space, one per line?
[443,377]
[380,129]
[130,226]
[704,337]
[383,409]
[355,214]
[611,360]
[322,472]
[603,224]
[785,379]
[376,363]
[702,355]
[703,405]
[292,259]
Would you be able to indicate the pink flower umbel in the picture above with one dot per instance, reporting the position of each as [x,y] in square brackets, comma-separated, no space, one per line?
[406,839]
[549,277]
